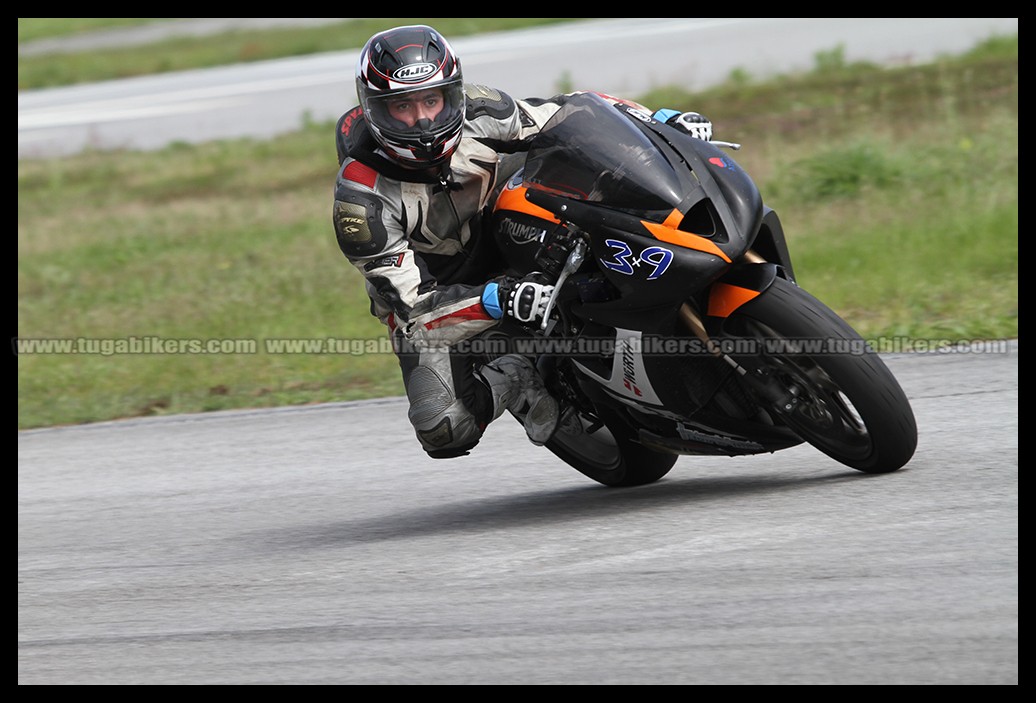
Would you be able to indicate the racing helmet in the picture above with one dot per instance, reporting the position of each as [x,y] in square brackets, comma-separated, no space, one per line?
[412,61]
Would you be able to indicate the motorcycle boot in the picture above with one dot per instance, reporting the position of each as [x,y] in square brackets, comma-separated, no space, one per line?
[517,386]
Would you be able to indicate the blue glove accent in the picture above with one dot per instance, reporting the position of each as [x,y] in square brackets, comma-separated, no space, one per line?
[664,114]
[491,300]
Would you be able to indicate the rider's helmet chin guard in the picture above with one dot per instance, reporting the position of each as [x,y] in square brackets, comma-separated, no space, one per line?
[407,60]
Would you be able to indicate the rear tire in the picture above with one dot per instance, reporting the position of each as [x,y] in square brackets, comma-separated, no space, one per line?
[610,455]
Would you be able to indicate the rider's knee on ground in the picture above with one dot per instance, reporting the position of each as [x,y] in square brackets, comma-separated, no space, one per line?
[443,423]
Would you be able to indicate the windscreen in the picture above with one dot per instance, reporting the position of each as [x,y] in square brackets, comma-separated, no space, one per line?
[593,151]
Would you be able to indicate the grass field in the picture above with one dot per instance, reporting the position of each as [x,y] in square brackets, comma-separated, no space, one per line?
[898,189]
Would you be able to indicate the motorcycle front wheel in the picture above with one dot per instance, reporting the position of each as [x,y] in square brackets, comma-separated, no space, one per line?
[834,391]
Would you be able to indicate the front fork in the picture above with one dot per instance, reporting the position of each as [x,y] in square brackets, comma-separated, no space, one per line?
[728,294]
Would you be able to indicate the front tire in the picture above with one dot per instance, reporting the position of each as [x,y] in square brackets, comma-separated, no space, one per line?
[838,395]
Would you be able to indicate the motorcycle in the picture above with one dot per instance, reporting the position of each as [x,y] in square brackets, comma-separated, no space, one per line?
[677,326]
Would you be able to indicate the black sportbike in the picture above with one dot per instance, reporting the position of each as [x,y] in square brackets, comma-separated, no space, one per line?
[677,326]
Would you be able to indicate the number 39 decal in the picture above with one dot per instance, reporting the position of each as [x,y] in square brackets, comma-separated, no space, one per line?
[624,261]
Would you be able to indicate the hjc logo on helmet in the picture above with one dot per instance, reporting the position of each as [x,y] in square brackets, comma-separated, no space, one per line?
[413,72]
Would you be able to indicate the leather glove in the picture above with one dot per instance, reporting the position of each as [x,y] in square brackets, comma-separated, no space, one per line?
[522,299]
[694,124]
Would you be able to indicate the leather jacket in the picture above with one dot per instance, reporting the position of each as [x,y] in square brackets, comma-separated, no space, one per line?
[417,236]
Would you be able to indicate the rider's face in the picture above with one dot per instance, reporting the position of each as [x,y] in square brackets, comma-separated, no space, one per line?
[422,105]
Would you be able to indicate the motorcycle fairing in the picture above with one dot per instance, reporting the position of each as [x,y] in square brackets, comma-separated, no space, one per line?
[667,213]
[619,158]
[629,378]
[686,408]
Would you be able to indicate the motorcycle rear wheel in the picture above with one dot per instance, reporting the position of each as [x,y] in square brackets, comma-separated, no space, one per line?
[841,397]
[609,455]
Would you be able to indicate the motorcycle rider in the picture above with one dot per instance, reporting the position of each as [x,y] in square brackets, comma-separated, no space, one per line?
[419,159]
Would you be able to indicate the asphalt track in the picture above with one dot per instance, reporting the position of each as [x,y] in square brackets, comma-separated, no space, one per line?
[318,545]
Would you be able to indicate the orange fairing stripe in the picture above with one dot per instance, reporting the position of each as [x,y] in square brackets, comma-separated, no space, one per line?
[668,232]
[514,199]
[725,298]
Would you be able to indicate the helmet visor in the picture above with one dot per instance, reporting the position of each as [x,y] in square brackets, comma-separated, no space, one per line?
[421,116]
